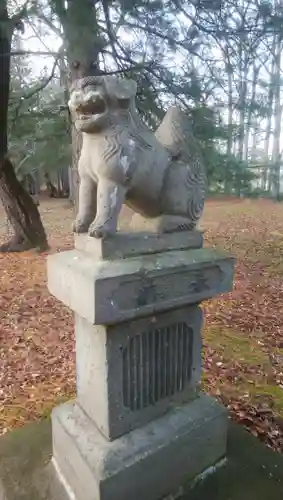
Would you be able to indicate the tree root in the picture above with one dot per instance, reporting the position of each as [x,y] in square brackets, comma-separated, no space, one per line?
[20,245]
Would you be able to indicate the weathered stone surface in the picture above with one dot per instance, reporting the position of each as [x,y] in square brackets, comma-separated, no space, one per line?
[122,161]
[131,373]
[137,223]
[149,462]
[107,292]
[121,246]
[138,351]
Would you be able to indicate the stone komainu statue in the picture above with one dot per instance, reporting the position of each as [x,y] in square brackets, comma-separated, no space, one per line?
[158,175]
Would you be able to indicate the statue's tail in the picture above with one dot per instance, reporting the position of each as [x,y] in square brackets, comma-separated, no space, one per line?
[175,134]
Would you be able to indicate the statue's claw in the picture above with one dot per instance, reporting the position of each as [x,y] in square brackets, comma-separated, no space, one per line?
[97,230]
[80,226]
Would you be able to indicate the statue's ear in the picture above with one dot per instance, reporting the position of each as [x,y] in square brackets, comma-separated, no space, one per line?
[121,88]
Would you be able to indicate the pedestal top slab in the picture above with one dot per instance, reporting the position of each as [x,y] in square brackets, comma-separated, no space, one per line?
[124,245]
[108,292]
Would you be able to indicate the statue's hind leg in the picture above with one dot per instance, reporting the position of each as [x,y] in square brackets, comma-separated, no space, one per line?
[188,221]
[171,223]
[182,198]
[178,200]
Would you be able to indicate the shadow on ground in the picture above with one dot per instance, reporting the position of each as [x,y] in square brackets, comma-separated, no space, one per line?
[252,471]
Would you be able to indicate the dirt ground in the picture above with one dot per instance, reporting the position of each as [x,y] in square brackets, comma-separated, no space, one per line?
[243,334]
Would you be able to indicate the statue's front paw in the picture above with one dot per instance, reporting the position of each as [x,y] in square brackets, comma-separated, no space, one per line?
[97,230]
[80,226]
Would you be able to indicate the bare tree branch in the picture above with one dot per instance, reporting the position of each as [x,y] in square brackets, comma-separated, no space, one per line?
[50,25]
[129,69]
[19,16]
[15,53]
[111,35]
[34,91]
[44,83]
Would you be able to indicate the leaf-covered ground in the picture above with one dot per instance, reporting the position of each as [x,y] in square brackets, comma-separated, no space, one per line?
[243,336]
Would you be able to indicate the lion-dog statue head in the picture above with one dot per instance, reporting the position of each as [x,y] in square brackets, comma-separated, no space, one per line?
[93,100]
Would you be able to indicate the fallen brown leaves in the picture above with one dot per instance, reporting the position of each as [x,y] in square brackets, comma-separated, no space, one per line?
[36,333]
[243,337]
[250,383]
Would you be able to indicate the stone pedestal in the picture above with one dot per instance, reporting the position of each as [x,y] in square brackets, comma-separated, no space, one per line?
[139,427]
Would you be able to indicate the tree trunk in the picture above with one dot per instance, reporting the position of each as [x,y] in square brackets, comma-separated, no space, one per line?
[71,184]
[229,152]
[64,178]
[276,156]
[22,213]
[20,208]
[5,49]
[242,104]
[76,151]
[266,180]
[250,113]
[83,44]
[37,182]
[51,189]
[67,172]
[230,110]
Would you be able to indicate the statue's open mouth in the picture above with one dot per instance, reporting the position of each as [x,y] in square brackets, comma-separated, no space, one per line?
[91,108]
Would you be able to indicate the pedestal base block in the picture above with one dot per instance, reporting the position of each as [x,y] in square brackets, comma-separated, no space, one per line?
[148,463]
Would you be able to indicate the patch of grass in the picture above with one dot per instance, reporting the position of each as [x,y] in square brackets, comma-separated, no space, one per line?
[47,409]
[252,230]
[272,394]
[234,346]
[18,413]
[270,253]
